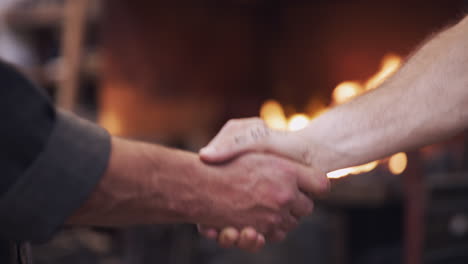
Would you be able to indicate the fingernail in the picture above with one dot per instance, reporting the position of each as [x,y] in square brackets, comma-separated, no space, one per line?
[249,233]
[207,151]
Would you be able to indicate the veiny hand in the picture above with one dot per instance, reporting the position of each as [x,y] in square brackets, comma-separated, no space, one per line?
[261,191]
[252,135]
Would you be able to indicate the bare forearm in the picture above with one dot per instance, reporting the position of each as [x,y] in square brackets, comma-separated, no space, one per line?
[149,184]
[139,186]
[427,100]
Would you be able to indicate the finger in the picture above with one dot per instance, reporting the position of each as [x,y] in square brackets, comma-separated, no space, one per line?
[208,232]
[254,136]
[277,236]
[228,237]
[302,205]
[260,243]
[289,222]
[248,239]
[236,137]
[312,181]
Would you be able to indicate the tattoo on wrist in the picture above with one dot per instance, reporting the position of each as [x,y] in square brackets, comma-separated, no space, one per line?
[259,132]
[239,139]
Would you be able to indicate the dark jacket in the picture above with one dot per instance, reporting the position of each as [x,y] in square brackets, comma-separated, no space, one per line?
[50,162]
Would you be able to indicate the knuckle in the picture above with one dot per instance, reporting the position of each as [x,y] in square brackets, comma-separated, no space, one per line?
[307,155]
[323,185]
[233,123]
[286,168]
[283,198]
[274,221]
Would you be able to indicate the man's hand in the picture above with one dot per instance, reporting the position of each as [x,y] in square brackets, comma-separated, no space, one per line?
[249,239]
[149,184]
[241,136]
[364,129]
[264,192]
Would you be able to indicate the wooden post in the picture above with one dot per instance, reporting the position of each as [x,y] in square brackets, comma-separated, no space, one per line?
[73,31]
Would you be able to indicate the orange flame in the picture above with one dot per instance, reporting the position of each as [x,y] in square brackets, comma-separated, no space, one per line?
[274,116]
[390,64]
[346,91]
[297,122]
[397,163]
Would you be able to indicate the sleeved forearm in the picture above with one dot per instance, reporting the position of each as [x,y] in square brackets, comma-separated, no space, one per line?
[51,161]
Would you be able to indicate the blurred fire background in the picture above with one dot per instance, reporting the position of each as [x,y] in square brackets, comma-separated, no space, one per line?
[173,72]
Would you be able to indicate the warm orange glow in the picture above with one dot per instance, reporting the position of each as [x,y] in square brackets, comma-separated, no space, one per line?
[345,91]
[353,170]
[297,122]
[390,64]
[365,168]
[318,113]
[339,173]
[273,115]
[315,107]
[397,163]
[111,122]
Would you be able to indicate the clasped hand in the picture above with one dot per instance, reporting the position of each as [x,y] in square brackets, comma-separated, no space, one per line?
[287,158]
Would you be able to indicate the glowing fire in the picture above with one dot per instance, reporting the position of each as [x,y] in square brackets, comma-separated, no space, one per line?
[346,91]
[273,114]
[353,170]
[390,64]
[397,163]
[298,122]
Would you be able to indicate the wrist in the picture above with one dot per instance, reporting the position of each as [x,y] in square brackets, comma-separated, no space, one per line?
[187,199]
[176,186]
[319,153]
[144,184]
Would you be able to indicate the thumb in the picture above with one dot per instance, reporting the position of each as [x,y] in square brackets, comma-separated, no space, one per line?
[214,154]
[252,134]
[235,138]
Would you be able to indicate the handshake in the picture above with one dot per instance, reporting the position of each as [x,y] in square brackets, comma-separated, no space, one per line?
[271,183]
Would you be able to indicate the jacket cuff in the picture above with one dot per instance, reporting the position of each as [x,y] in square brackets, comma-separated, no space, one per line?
[58,182]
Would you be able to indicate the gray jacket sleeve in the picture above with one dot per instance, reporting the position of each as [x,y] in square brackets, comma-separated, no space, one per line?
[73,156]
